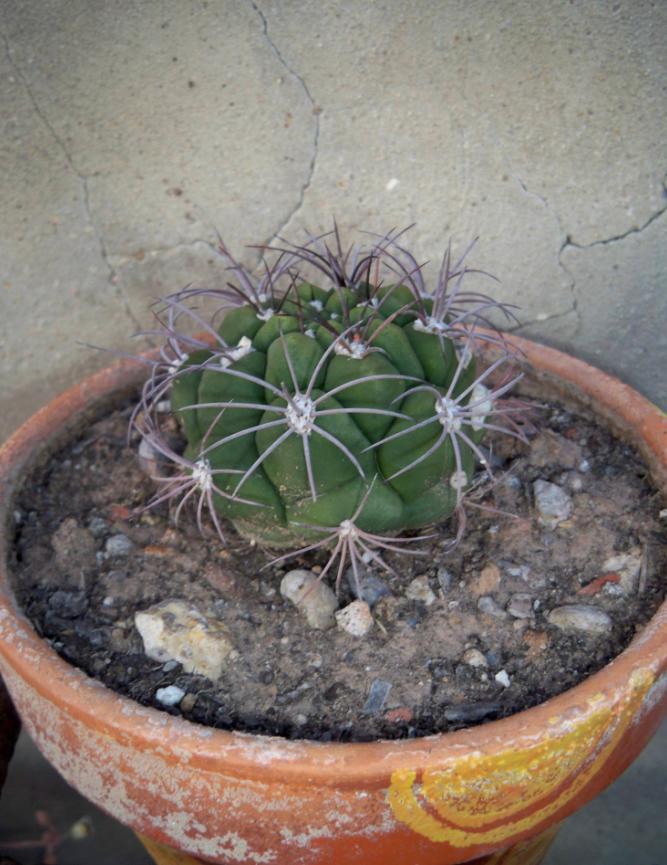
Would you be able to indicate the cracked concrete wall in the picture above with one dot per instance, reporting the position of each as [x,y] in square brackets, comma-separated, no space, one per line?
[132,131]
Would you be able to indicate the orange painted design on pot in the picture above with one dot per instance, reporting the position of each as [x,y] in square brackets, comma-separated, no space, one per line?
[487,798]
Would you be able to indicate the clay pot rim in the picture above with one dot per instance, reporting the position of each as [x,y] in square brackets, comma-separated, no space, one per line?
[303,761]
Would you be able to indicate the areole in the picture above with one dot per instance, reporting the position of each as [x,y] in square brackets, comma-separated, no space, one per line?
[491,794]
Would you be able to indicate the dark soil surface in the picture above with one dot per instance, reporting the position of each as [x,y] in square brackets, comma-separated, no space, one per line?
[478,646]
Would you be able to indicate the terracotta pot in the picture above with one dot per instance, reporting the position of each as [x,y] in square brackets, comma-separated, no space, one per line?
[236,798]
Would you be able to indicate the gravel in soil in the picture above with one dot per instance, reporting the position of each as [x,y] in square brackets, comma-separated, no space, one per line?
[560,564]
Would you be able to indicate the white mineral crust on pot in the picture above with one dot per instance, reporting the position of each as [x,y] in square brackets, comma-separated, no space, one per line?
[173,630]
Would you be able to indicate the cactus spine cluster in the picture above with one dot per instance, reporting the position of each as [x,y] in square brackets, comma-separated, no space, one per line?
[345,408]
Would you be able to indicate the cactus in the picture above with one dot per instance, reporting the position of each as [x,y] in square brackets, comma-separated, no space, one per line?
[336,412]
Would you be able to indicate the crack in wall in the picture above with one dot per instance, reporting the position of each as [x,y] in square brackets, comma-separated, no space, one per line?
[570,243]
[120,258]
[112,278]
[316,111]
[615,238]
[539,321]
[572,286]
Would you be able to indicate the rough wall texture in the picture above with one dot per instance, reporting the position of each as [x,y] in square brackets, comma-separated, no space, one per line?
[132,131]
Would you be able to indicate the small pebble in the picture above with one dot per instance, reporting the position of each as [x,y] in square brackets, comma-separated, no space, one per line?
[536,642]
[402,715]
[521,571]
[580,617]
[502,678]
[474,658]
[188,702]
[118,546]
[97,527]
[420,590]
[355,619]
[173,630]
[169,696]
[486,581]
[470,713]
[584,466]
[149,458]
[490,607]
[553,504]
[549,448]
[370,588]
[312,598]
[445,579]
[520,606]
[627,566]
[377,697]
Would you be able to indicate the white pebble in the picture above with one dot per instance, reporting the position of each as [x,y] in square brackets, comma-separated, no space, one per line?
[553,504]
[474,658]
[169,696]
[580,617]
[312,598]
[521,571]
[627,566]
[175,631]
[502,678]
[356,619]
[118,545]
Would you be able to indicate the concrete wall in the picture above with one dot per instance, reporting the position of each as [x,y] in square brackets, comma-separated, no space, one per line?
[132,130]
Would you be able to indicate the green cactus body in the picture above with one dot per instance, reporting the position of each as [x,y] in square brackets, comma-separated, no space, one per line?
[329,401]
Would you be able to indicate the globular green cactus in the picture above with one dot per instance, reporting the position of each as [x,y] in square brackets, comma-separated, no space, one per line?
[338,411]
